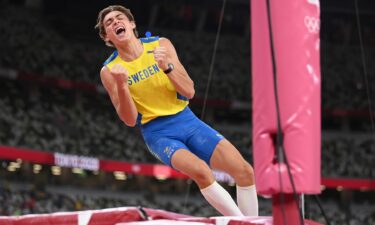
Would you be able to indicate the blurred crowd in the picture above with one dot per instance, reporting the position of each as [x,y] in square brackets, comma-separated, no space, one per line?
[35,46]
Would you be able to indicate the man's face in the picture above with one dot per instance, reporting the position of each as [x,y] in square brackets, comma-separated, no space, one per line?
[117,27]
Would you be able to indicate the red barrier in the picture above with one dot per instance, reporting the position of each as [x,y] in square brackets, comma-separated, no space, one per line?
[158,170]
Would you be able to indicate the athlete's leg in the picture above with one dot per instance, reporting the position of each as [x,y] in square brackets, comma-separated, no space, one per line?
[228,159]
[189,164]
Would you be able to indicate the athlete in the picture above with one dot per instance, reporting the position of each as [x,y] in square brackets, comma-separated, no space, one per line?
[149,87]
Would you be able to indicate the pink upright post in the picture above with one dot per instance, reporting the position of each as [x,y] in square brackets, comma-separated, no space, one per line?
[295,32]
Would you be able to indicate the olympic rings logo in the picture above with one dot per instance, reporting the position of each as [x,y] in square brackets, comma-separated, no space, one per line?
[312,24]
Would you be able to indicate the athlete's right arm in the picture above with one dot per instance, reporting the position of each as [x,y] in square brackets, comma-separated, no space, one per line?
[115,81]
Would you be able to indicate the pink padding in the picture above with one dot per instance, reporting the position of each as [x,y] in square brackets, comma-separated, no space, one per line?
[99,217]
[165,222]
[131,216]
[296,28]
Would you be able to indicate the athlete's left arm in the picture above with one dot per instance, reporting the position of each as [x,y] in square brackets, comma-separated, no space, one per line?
[166,54]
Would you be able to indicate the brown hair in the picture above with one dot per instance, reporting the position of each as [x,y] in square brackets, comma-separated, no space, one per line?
[99,22]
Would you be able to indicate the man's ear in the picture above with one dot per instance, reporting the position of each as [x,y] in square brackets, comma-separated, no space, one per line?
[133,24]
[106,39]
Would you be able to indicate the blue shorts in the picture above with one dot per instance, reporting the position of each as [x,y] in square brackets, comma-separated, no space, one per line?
[165,135]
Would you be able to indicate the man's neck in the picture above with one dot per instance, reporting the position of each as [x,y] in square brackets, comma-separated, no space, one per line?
[131,50]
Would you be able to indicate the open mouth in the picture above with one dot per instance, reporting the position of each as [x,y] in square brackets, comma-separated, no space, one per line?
[120,30]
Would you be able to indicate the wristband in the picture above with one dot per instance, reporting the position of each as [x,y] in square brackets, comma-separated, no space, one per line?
[170,68]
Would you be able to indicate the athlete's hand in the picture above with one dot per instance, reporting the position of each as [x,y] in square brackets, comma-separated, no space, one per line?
[160,55]
[120,74]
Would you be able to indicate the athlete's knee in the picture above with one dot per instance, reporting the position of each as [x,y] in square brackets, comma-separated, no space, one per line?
[244,174]
[202,174]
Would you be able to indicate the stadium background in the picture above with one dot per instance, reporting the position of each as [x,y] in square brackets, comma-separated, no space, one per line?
[51,101]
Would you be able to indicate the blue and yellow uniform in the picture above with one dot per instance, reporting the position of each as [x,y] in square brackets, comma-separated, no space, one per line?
[165,119]
[153,93]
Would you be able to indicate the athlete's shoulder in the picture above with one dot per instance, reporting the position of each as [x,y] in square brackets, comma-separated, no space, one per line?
[104,71]
[164,39]
[111,58]
[165,42]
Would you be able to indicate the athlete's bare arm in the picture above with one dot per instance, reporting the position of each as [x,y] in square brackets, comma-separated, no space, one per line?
[165,54]
[115,82]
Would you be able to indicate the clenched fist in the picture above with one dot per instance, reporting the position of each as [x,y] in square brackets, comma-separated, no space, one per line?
[161,57]
[119,73]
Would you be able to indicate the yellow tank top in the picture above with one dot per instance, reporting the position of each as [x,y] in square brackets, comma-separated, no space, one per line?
[153,93]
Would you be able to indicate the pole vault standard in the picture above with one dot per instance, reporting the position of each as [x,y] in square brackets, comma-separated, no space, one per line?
[286,86]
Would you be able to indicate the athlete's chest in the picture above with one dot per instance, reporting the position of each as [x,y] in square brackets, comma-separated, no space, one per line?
[148,81]
[146,74]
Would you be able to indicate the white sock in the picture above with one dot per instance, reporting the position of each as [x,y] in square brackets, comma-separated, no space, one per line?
[247,200]
[221,200]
